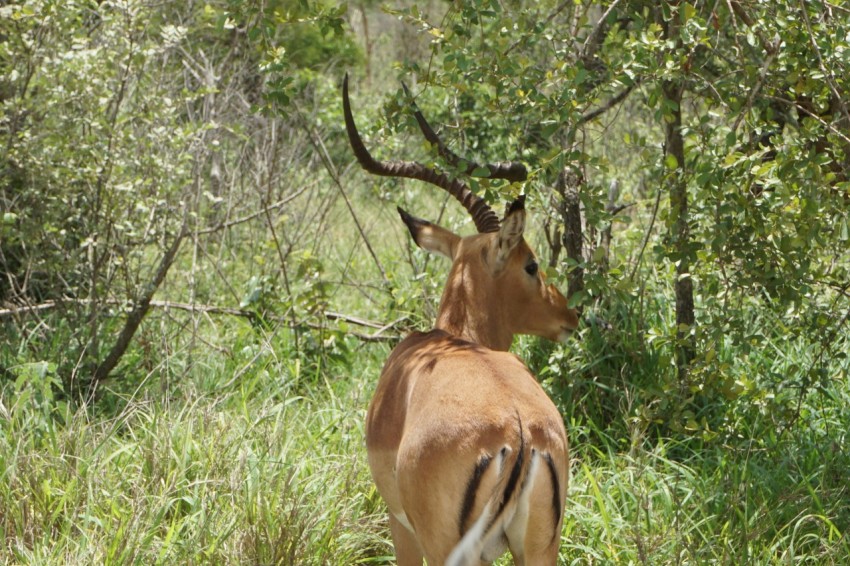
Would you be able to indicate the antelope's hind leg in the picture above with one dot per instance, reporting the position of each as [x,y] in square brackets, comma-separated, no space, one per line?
[537,541]
[407,550]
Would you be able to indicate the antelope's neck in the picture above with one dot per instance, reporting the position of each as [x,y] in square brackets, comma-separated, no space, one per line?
[476,336]
[472,316]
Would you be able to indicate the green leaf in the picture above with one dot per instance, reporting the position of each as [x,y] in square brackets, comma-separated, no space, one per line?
[688,12]
[577,299]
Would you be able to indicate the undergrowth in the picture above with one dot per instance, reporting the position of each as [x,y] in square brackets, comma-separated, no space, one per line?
[260,460]
[267,472]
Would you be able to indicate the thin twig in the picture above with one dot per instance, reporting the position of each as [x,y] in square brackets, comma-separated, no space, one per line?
[647,235]
[826,74]
[825,348]
[837,7]
[811,114]
[249,217]
[326,160]
[772,50]
[593,39]
[283,256]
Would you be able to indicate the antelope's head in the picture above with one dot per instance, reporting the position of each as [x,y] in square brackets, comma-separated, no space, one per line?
[495,287]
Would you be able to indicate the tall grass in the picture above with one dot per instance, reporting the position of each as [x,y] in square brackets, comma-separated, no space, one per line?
[644,507]
[270,469]
[260,475]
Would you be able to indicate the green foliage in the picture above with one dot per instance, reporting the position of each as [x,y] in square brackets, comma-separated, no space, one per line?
[765,160]
[113,139]
[93,172]
[292,39]
[231,430]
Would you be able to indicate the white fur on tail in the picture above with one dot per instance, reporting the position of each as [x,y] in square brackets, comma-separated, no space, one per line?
[479,542]
[468,550]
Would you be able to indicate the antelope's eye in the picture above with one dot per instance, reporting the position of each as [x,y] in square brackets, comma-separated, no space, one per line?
[531,268]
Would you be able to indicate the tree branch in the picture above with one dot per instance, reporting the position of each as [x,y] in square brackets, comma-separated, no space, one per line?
[772,50]
[593,42]
[827,75]
[224,225]
[137,314]
[568,186]
[617,99]
[326,160]
[564,5]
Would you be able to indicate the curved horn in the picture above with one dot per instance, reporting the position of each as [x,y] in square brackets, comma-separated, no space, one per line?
[512,171]
[485,219]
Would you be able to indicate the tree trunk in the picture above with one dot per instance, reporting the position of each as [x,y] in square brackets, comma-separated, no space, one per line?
[568,185]
[674,145]
[676,184]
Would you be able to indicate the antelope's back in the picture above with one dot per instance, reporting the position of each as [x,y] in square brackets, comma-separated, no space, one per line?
[437,392]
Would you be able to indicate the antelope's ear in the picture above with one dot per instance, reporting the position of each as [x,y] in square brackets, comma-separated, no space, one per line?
[431,237]
[510,232]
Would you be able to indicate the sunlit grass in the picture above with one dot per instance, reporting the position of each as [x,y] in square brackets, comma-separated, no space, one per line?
[273,473]
[272,479]
[646,508]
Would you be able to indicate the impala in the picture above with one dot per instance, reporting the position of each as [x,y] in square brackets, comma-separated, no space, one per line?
[465,447]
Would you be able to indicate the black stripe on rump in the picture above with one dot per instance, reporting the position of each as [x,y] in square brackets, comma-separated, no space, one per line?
[510,487]
[556,490]
[513,479]
[471,489]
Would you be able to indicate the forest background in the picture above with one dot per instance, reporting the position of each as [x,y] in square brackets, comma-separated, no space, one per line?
[198,285]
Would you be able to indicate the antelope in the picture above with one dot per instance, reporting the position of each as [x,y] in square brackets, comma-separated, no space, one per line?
[465,447]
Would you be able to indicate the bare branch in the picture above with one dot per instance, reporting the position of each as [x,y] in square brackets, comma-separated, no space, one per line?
[614,101]
[647,234]
[837,7]
[809,113]
[322,151]
[249,217]
[593,41]
[137,314]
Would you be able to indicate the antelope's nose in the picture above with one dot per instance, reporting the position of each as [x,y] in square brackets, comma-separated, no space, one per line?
[560,302]
[572,319]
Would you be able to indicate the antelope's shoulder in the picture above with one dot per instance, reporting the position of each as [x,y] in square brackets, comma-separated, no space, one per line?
[438,352]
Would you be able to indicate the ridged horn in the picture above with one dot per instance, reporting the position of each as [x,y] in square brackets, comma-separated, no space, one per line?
[482,215]
[513,171]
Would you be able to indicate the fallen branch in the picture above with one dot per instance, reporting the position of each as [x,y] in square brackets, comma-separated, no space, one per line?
[377,336]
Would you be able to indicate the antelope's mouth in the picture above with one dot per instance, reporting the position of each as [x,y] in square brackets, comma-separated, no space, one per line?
[564,334]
